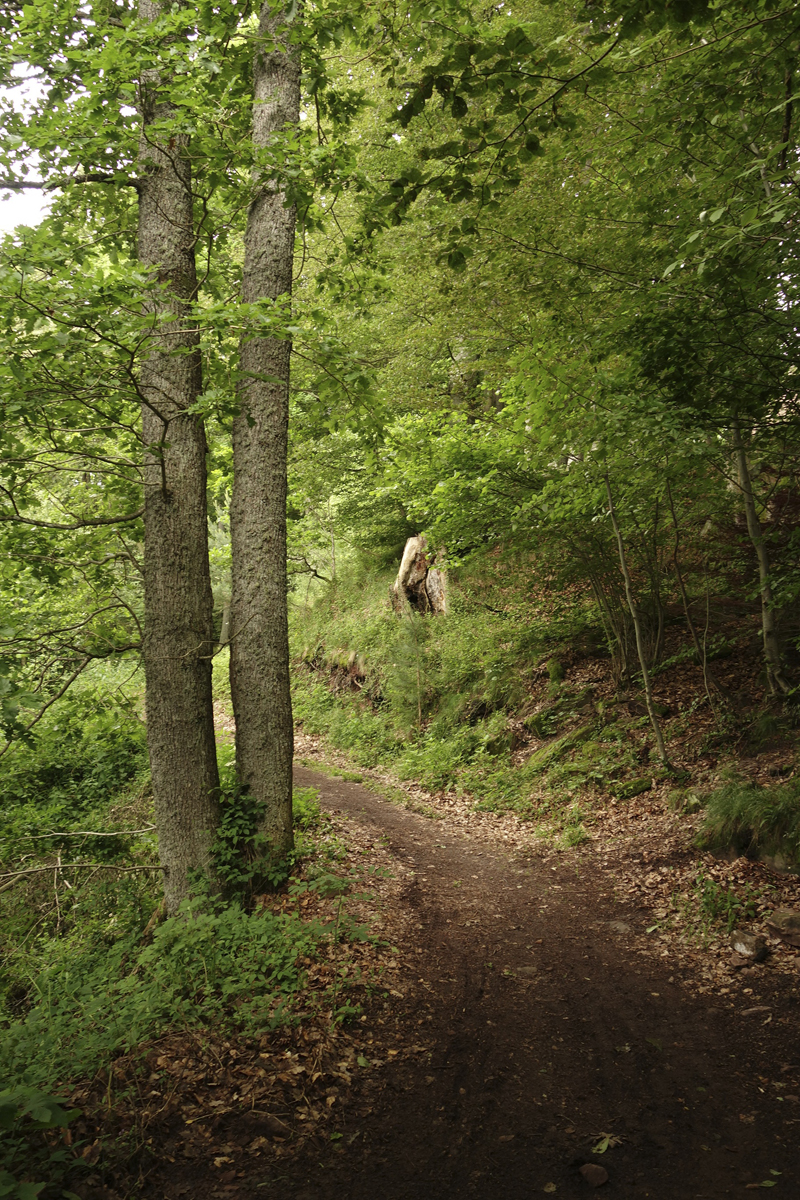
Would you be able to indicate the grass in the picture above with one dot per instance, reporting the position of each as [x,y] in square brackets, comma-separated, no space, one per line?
[755,820]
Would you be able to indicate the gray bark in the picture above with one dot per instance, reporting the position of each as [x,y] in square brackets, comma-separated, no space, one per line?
[178,628]
[259,620]
[777,682]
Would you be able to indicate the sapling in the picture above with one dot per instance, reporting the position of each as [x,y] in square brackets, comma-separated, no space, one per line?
[637,625]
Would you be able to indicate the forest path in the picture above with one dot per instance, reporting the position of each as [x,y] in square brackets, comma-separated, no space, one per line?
[546,1030]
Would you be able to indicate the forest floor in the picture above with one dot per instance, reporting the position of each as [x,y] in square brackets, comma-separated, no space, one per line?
[536,1015]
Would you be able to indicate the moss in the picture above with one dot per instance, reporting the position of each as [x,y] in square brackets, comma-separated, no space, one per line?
[633,787]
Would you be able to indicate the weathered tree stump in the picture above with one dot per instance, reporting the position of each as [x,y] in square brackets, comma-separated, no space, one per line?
[420,584]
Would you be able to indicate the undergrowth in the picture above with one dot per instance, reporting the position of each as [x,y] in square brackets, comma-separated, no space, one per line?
[214,965]
[89,748]
[755,820]
[206,967]
[437,701]
[89,972]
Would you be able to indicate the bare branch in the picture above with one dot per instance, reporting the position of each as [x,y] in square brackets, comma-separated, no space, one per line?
[13,876]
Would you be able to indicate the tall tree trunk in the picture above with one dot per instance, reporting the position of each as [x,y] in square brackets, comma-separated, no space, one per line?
[259,620]
[178,631]
[777,682]
[637,625]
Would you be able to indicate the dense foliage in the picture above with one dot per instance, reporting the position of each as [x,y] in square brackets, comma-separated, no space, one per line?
[544,312]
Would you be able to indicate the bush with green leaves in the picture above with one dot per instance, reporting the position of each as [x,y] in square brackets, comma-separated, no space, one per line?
[83,753]
[211,966]
[27,1115]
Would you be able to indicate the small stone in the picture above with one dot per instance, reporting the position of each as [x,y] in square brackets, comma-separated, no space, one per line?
[785,922]
[594,1174]
[275,1127]
[619,927]
[749,946]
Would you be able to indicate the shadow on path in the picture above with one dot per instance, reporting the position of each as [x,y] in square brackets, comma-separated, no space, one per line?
[545,1031]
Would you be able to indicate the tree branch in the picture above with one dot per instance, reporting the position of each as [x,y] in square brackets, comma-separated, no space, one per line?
[45,707]
[85,524]
[52,185]
[13,876]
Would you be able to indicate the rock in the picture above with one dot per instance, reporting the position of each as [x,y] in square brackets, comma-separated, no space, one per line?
[779,863]
[785,922]
[619,927]
[594,1174]
[748,946]
[274,1127]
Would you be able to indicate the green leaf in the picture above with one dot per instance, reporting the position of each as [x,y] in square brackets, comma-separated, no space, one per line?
[29,1191]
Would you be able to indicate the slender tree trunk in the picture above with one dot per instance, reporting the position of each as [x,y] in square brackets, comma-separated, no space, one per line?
[178,631]
[259,621]
[225,631]
[637,625]
[777,682]
[700,650]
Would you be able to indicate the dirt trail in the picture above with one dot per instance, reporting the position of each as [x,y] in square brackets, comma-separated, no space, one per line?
[545,1030]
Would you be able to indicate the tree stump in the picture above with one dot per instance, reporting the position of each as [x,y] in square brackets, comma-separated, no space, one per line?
[420,584]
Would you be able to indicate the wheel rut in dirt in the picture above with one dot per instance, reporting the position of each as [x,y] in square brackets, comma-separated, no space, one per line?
[545,1034]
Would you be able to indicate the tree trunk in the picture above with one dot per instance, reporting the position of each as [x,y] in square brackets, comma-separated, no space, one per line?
[777,682]
[637,625]
[709,679]
[225,631]
[178,631]
[259,620]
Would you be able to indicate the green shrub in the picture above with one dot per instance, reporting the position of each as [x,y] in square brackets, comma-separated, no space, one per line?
[84,752]
[723,905]
[26,1115]
[243,856]
[755,819]
[211,966]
